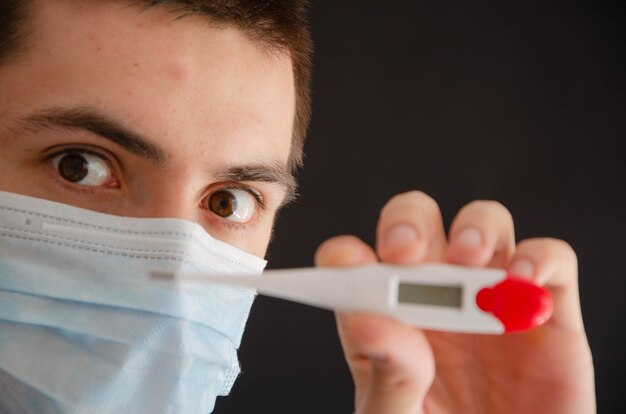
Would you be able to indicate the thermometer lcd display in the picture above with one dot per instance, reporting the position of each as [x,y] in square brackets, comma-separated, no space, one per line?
[418,294]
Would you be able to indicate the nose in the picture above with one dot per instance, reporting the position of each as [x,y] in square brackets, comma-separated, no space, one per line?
[168,200]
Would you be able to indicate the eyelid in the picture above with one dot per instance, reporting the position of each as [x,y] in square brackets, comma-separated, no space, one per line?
[240,186]
[75,148]
[238,227]
[109,158]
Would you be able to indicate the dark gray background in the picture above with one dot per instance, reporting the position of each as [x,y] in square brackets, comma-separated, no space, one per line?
[521,102]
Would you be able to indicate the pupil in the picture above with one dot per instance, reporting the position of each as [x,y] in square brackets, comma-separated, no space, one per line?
[73,167]
[222,203]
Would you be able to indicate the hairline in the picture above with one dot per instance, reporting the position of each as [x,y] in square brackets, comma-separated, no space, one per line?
[20,35]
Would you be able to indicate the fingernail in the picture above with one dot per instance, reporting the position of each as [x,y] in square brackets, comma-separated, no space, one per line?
[523,268]
[400,235]
[339,255]
[330,247]
[470,237]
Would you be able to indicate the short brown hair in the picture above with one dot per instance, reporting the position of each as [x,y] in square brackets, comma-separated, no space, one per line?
[280,25]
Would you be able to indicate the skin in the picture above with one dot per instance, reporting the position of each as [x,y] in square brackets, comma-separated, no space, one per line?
[150,73]
[398,369]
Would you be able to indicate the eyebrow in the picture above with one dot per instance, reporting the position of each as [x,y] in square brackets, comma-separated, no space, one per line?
[269,173]
[91,120]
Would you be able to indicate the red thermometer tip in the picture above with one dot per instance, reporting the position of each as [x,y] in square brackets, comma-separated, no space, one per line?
[517,302]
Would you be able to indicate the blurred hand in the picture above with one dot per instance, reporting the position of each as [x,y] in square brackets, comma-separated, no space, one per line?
[398,369]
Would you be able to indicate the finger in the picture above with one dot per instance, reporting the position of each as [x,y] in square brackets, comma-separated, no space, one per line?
[410,230]
[393,362]
[553,263]
[344,251]
[482,235]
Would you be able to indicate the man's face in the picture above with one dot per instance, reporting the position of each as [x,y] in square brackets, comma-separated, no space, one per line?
[142,114]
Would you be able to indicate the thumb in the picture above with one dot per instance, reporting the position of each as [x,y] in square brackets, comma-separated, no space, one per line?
[392,364]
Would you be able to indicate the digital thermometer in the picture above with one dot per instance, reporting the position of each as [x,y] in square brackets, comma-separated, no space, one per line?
[431,296]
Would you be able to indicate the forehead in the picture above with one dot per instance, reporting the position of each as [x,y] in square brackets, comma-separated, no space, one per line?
[173,78]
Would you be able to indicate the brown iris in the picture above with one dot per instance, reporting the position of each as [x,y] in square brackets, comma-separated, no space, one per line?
[222,203]
[73,167]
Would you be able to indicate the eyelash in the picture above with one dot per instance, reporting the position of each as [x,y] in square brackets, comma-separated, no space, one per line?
[256,195]
[233,225]
[81,150]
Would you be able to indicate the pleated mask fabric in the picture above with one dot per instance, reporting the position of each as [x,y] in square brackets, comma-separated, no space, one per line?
[83,327]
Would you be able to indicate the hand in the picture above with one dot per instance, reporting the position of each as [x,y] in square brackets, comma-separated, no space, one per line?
[398,369]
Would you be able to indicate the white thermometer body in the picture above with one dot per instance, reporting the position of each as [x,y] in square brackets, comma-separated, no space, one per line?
[431,296]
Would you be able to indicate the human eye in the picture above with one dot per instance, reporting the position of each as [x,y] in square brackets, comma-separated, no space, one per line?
[234,204]
[84,168]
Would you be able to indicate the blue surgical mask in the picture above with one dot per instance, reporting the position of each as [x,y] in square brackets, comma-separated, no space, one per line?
[83,328]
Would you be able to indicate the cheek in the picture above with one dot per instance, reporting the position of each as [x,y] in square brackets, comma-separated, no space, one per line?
[261,245]
[4,141]
[17,174]
[254,241]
